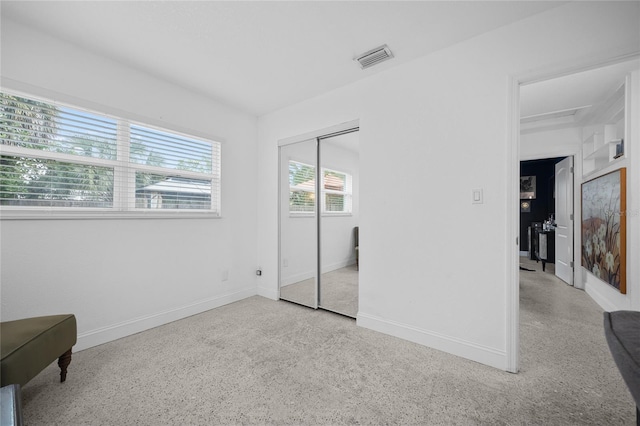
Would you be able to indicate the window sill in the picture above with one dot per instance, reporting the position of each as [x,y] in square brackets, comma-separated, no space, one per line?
[307,215]
[26,214]
[301,215]
[336,214]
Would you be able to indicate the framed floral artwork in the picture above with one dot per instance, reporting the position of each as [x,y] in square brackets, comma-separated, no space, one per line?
[604,206]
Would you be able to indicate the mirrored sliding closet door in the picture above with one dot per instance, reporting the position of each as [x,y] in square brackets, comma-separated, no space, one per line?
[319,215]
[298,225]
[339,159]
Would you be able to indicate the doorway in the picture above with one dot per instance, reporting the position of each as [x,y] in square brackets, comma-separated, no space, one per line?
[546,214]
[555,130]
[319,222]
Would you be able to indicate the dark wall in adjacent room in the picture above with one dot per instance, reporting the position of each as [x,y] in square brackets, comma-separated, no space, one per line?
[544,204]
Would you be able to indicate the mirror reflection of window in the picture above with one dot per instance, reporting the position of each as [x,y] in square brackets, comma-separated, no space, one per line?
[302,186]
[298,225]
[336,188]
[337,191]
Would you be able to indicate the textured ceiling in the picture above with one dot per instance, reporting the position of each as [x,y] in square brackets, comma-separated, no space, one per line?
[262,56]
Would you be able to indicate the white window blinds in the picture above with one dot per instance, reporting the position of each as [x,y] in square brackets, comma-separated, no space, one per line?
[173,171]
[55,156]
[337,191]
[335,188]
[302,187]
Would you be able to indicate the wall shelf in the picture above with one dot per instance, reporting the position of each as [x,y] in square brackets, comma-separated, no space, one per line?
[608,130]
[588,174]
[605,151]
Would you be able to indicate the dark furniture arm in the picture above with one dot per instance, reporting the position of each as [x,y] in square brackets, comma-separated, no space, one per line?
[622,330]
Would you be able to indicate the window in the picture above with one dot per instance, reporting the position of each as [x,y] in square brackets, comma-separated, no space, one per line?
[171,171]
[336,190]
[57,158]
[336,187]
[302,187]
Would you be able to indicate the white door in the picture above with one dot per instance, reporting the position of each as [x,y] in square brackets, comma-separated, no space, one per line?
[564,220]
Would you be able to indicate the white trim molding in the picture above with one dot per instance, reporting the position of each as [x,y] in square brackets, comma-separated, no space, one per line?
[512,276]
[112,332]
[320,133]
[462,348]
[598,296]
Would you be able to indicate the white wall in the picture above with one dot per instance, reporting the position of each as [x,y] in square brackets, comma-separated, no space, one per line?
[434,265]
[123,276]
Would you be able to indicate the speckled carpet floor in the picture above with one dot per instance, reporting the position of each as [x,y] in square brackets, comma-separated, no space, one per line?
[258,361]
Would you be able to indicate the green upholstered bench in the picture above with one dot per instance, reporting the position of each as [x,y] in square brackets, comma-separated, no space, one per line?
[30,345]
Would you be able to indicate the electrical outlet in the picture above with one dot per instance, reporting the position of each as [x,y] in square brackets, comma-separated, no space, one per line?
[225,275]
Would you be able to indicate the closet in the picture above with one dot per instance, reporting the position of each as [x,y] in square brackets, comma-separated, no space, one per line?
[318,225]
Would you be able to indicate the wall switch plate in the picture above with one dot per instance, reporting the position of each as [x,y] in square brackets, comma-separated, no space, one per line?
[477,196]
[225,275]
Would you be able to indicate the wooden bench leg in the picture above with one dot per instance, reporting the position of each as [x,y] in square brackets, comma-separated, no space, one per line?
[63,363]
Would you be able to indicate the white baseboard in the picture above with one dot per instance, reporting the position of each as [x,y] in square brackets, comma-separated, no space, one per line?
[482,354]
[293,279]
[605,303]
[524,254]
[102,335]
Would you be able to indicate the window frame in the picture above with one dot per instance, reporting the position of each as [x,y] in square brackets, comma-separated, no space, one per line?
[347,193]
[124,172]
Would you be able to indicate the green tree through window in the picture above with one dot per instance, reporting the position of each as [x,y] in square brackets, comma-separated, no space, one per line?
[302,183]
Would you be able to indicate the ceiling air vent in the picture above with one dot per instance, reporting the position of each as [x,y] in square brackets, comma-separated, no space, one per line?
[374,56]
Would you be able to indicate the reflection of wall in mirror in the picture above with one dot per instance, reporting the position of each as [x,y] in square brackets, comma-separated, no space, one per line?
[337,231]
[298,234]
